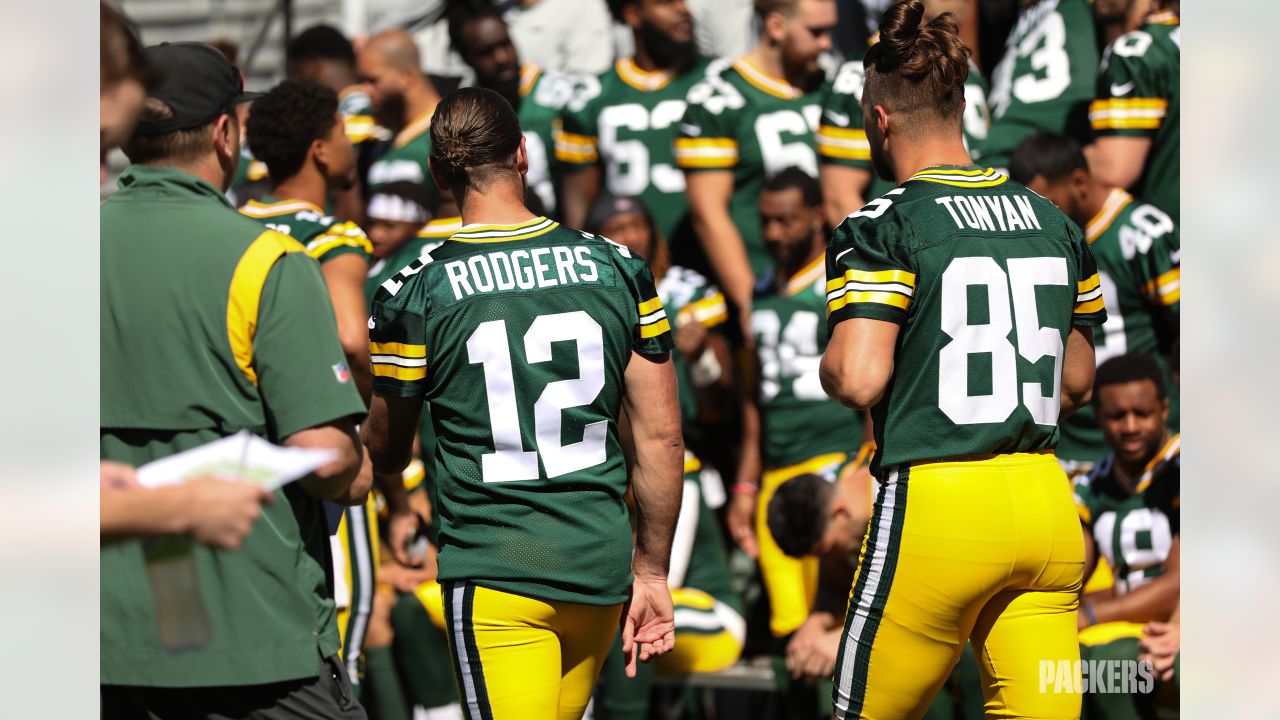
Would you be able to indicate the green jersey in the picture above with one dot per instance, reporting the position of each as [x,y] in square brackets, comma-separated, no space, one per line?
[543,96]
[357,116]
[797,419]
[690,298]
[212,324]
[518,338]
[1138,253]
[1045,79]
[743,120]
[698,558]
[406,159]
[324,236]
[431,236]
[625,122]
[842,135]
[986,279]
[1138,96]
[1133,528]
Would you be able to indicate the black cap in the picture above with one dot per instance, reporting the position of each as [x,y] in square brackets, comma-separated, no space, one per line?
[199,84]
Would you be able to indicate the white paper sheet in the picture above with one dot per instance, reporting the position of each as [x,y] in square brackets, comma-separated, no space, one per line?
[243,456]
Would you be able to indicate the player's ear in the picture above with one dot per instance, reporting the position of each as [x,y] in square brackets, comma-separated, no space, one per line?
[881,118]
[226,137]
[320,151]
[775,28]
[522,158]
[439,175]
[631,15]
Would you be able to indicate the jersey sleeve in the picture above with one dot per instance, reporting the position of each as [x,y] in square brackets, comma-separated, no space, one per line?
[301,368]
[870,271]
[705,138]
[340,238]
[397,338]
[1084,498]
[707,305]
[842,137]
[1089,308]
[578,142]
[651,334]
[1129,100]
[1157,257]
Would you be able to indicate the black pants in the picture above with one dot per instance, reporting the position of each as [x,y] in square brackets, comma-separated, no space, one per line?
[328,695]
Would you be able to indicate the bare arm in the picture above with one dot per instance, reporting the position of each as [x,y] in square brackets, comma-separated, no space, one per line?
[709,194]
[858,363]
[1154,601]
[1078,366]
[213,511]
[1118,161]
[345,276]
[658,462]
[741,515]
[389,430]
[842,191]
[345,480]
[579,189]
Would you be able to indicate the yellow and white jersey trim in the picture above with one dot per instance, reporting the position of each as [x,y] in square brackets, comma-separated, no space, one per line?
[256,209]
[577,149]
[887,287]
[1089,295]
[653,318]
[339,234]
[1111,207]
[506,233]
[706,152]
[961,178]
[401,361]
[843,143]
[1128,113]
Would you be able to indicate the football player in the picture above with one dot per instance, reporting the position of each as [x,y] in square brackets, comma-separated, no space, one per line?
[1046,78]
[1137,115]
[790,426]
[1138,253]
[621,126]
[529,340]
[480,34]
[961,308]
[746,122]
[403,99]
[1130,506]
[847,179]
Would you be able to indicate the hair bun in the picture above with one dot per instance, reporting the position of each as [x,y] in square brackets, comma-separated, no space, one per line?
[899,30]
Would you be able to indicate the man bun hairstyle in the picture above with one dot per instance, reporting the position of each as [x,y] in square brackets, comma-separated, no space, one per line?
[474,138]
[917,69]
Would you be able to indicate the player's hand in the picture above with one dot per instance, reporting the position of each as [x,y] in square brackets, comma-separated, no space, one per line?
[648,622]
[223,511]
[691,340]
[116,476]
[741,519]
[403,529]
[811,654]
[1160,644]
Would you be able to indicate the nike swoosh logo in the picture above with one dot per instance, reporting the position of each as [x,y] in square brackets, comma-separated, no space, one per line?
[837,118]
[1121,89]
[690,130]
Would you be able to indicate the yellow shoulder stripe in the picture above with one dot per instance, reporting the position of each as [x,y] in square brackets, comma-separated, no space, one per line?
[245,294]
[649,305]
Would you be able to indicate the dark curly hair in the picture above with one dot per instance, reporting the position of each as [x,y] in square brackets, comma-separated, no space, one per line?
[917,69]
[283,123]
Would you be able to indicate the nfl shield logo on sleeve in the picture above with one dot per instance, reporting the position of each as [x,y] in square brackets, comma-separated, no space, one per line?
[341,372]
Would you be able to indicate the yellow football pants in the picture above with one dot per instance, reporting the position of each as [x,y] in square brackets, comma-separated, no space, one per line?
[709,635]
[984,550]
[520,658]
[790,582]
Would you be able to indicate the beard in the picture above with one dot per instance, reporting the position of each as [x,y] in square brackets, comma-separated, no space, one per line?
[508,89]
[666,53]
[390,113]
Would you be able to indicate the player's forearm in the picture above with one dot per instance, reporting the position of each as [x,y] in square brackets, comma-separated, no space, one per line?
[1078,368]
[726,252]
[1154,601]
[345,276]
[345,480]
[135,512]
[842,189]
[656,482]
[579,189]
[393,491]
[388,432]
[1118,161]
[750,465]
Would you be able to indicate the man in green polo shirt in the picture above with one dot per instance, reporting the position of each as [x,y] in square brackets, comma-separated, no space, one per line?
[210,325]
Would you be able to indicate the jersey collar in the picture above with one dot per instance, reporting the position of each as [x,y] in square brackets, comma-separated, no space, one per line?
[167,181]
[480,233]
[807,276]
[440,227]
[765,82]
[270,207]
[1159,462]
[1165,17]
[642,80]
[1114,203]
[414,129]
[529,74]
[969,176]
